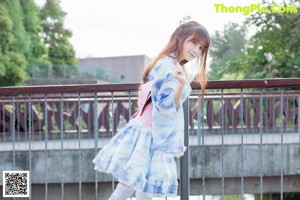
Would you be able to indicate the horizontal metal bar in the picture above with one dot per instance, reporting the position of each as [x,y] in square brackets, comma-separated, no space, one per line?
[92,88]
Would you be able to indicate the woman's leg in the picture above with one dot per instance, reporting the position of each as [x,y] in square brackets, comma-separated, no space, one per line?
[122,192]
[141,196]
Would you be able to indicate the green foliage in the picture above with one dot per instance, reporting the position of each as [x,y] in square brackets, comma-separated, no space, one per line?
[21,40]
[225,48]
[232,197]
[56,37]
[274,50]
[29,37]
[12,62]
[14,65]
[6,36]
[37,53]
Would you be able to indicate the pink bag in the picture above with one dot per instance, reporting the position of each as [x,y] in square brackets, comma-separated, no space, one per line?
[145,105]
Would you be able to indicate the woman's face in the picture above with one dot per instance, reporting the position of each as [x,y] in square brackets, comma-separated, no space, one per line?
[190,50]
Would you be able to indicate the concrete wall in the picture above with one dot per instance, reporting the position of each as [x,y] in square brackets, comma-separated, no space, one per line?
[126,68]
[212,163]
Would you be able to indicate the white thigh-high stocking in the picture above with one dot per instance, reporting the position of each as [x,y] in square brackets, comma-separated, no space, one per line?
[141,196]
[122,192]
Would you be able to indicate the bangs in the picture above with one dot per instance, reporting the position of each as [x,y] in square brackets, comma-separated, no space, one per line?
[202,37]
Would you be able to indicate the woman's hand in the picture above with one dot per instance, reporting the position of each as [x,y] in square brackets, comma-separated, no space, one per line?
[180,74]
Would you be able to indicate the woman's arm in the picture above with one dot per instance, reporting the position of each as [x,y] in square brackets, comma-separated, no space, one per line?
[180,75]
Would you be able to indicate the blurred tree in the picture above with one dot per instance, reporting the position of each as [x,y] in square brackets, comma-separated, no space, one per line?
[29,36]
[12,60]
[37,53]
[226,46]
[274,50]
[21,40]
[56,37]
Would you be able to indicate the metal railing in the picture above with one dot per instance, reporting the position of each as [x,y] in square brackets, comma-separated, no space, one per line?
[244,117]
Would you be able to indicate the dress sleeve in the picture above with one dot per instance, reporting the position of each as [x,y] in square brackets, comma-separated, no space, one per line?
[163,89]
[166,136]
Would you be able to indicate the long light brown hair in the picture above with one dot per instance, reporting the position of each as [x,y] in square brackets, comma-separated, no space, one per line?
[196,32]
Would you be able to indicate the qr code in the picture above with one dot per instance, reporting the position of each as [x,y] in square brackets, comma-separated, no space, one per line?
[15,183]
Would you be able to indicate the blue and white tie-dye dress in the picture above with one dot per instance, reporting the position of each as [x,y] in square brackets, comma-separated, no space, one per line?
[142,157]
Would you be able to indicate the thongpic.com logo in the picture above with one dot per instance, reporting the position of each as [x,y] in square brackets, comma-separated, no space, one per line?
[246,10]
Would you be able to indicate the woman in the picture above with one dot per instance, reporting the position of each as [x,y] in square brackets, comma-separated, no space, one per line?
[142,154]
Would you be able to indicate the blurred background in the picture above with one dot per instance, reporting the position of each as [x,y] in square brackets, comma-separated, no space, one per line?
[52,42]
[47,41]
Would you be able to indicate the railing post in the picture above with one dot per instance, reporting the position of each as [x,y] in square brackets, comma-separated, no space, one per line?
[184,161]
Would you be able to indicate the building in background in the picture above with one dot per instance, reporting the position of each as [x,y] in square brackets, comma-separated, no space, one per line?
[122,69]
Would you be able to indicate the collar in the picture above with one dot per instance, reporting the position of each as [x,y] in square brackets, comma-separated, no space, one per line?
[173,56]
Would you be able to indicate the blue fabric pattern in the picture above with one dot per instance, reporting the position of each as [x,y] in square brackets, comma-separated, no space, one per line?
[167,123]
[143,157]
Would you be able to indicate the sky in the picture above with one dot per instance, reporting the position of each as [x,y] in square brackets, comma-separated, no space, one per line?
[136,27]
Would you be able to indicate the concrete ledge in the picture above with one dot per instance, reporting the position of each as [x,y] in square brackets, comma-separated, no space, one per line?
[251,185]
[209,166]
[271,160]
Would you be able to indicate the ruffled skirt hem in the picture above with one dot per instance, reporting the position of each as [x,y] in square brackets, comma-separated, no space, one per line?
[130,158]
[135,180]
